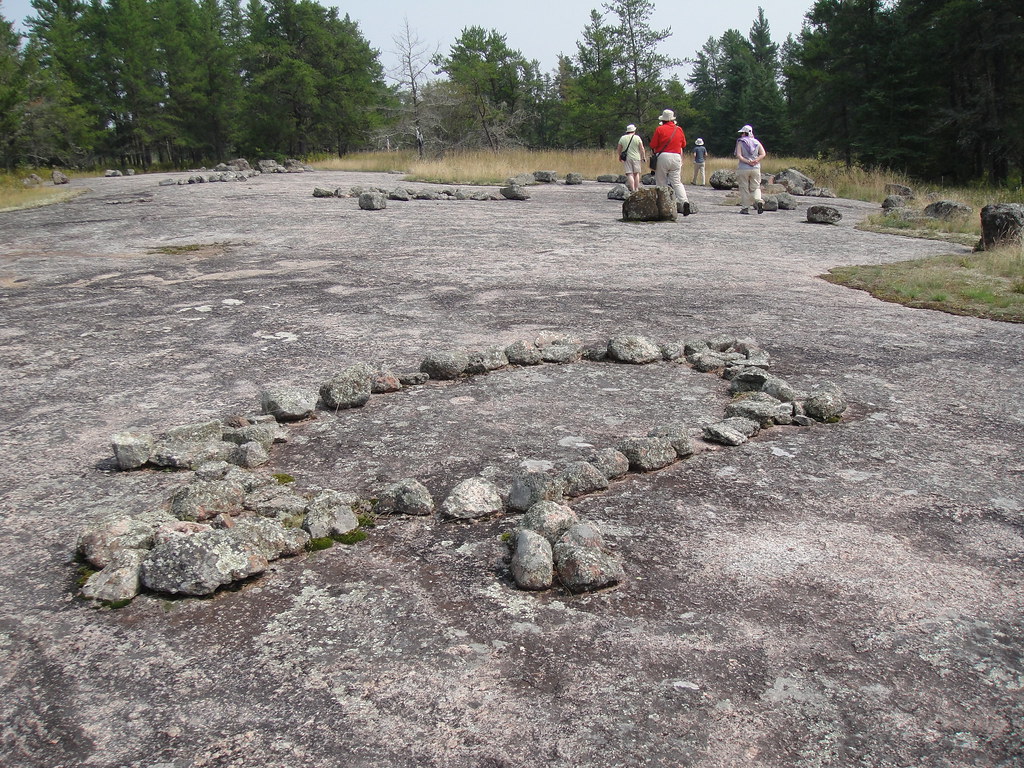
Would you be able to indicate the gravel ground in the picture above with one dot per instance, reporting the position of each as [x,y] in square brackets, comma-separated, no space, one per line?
[843,595]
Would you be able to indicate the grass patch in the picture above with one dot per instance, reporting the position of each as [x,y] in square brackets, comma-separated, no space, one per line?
[324,542]
[15,196]
[352,537]
[987,284]
[283,478]
[962,231]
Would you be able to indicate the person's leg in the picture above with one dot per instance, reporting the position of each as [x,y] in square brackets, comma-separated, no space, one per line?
[703,177]
[755,182]
[743,177]
[660,171]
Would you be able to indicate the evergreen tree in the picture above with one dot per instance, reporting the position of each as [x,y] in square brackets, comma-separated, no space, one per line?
[640,67]
[12,92]
[594,100]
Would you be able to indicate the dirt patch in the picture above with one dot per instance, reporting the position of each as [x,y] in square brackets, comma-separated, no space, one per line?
[834,596]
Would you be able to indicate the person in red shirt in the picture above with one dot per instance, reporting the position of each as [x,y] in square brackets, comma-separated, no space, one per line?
[669,141]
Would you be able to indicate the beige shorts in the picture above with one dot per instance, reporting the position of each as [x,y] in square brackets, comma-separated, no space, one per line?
[631,166]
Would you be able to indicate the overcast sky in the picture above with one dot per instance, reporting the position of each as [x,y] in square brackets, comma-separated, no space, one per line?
[541,30]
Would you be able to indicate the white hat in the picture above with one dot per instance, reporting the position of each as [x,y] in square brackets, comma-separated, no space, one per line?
[746,129]
[630,128]
[699,142]
[667,116]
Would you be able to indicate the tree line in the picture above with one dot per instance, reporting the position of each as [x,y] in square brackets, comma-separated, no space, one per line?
[931,87]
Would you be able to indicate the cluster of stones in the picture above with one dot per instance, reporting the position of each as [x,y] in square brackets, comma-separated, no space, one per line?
[229,522]
[1001,223]
[375,198]
[791,181]
[111,173]
[35,180]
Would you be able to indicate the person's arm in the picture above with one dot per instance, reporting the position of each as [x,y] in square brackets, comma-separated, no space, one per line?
[643,153]
[738,154]
[761,154]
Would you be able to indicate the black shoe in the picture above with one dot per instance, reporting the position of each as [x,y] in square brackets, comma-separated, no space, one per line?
[760,207]
[686,209]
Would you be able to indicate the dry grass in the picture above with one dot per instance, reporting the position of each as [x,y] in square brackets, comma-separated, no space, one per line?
[15,196]
[987,284]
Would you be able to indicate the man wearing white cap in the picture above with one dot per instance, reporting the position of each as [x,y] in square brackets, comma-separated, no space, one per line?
[668,142]
[630,150]
[750,152]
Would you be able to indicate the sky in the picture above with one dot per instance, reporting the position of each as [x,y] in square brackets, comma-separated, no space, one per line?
[540,29]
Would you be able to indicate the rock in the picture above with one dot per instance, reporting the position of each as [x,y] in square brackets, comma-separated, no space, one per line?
[781,390]
[204,499]
[288,403]
[406,497]
[532,562]
[523,353]
[636,350]
[647,454]
[132,449]
[649,180]
[584,568]
[748,379]
[795,182]
[445,365]
[249,455]
[609,178]
[724,179]
[899,189]
[532,486]
[264,434]
[947,209]
[348,389]
[708,361]
[186,454]
[820,192]
[618,192]
[329,513]
[483,361]
[59,178]
[1002,224]
[399,194]
[825,403]
[99,544]
[677,435]
[823,214]
[111,173]
[322,192]
[562,352]
[514,192]
[672,351]
[168,183]
[472,498]
[545,177]
[893,201]
[372,201]
[582,477]
[770,203]
[732,431]
[650,204]
[549,519]
[413,379]
[199,564]
[573,179]
[119,580]
[786,201]
[521,180]
[761,410]
[383,382]
[277,502]
[612,463]
[269,538]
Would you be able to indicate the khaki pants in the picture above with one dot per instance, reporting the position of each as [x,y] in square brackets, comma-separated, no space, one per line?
[698,170]
[749,181]
[667,174]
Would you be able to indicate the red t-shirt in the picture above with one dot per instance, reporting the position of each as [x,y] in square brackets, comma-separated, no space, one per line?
[668,137]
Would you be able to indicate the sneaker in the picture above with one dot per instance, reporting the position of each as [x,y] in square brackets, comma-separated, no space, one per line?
[686,209]
[744,210]
[760,207]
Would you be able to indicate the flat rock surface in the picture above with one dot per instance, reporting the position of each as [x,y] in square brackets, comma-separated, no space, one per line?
[841,595]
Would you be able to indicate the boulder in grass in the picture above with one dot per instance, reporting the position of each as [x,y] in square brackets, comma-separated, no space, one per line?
[532,562]
[947,210]
[1002,224]
[59,178]
[795,182]
[899,189]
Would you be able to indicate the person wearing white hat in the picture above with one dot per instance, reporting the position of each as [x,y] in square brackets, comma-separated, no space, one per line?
[668,143]
[630,150]
[750,152]
[700,155]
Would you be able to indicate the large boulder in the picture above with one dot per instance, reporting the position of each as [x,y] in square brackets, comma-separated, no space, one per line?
[825,403]
[795,182]
[514,192]
[633,349]
[611,462]
[1002,224]
[373,201]
[647,454]
[582,562]
[573,179]
[532,562]
[823,214]
[546,177]
[948,209]
[549,519]
[724,178]
[899,189]
[199,563]
[446,364]
[472,498]
[287,403]
[582,477]
[349,389]
[531,486]
[59,178]
[618,192]
[650,204]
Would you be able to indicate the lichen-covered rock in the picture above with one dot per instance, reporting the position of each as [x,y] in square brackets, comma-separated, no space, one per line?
[486,360]
[612,463]
[348,389]
[406,497]
[582,477]
[618,192]
[893,201]
[546,177]
[249,455]
[523,353]
[724,178]
[276,501]
[413,378]
[199,563]
[948,209]
[132,449]
[672,350]
[472,498]
[748,379]
[786,201]
[550,519]
[633,349]
[572,179]
[322,192]
[823,214]
[710,360]
[99,544]
[372,201]
[118,580]
[678,435]
[795,182]
[383,382]
[330,513]
[182,454]
[899,189]
[532,562]
[762,410]
[447,364]
[288,403]
[1002,224]
[650,204]
[731,431]
[825,403]
[514,192]
[582,565]
[205,499]
[269,538]
[265,434]
[782,390]
[562,351]
[647,454]
[530,486]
